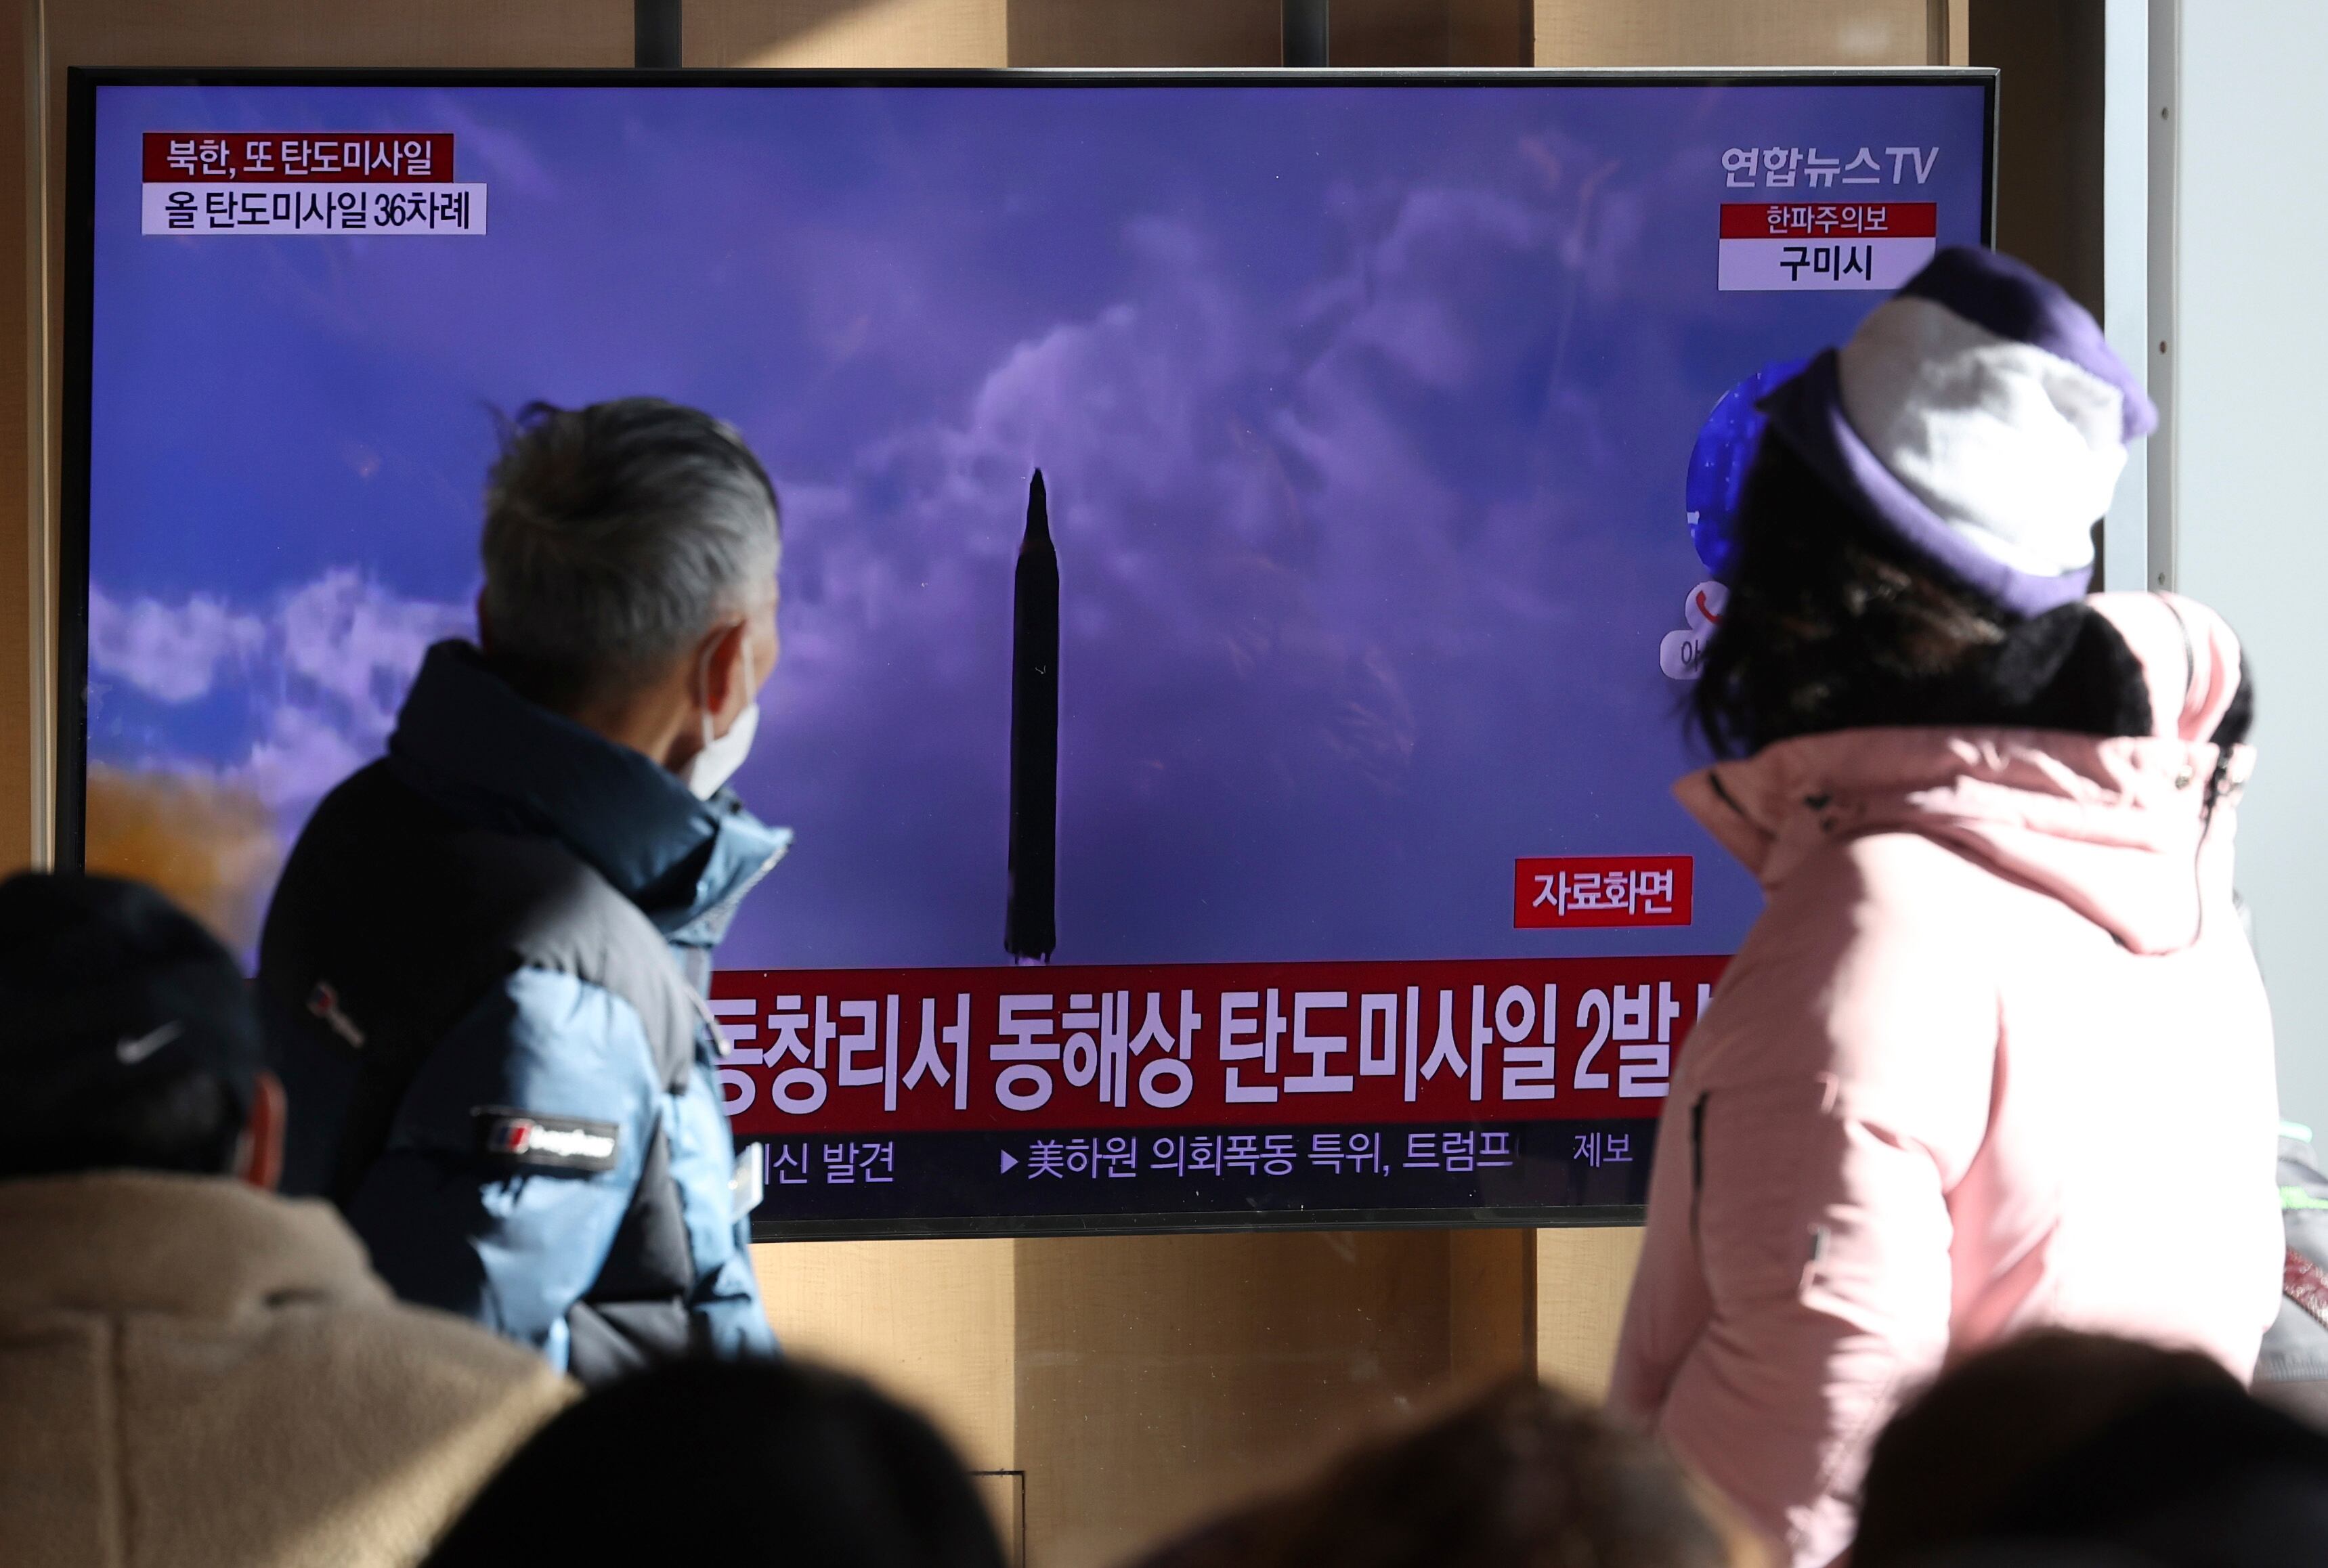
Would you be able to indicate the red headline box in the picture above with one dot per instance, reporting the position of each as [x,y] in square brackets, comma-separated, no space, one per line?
[338,158]
[1829,219]
[1593,892]
[1223,1044]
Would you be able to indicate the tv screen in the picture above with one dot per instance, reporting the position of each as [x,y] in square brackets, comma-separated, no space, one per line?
[1364,408]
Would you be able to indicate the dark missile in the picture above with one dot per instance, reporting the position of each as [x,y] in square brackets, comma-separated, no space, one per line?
[1029,924]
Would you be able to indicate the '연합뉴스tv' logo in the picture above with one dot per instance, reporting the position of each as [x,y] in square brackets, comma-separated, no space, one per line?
[1582,892]
[347,182]
[1824,221]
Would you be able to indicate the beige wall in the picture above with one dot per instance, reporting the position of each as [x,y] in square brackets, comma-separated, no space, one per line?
[1581,1279]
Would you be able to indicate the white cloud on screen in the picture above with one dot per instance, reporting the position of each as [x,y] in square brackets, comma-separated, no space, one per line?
[1279,571]
[1120,408]
[1288,438]
[323,668]
[171,653]
[1284,568]
[359,644]
[302,755]
[1138,413]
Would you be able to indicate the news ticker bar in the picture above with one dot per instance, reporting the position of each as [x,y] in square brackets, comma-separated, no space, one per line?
[1100,1179]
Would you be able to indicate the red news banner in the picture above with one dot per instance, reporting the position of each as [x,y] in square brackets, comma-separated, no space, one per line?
[1792,246]
[1260,1045]
[267,155]
[1586,892]
[305,183]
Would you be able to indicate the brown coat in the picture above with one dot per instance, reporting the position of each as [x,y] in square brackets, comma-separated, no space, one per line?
[194,1372]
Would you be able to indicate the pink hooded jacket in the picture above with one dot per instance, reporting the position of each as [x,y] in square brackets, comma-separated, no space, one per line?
[1996,1055]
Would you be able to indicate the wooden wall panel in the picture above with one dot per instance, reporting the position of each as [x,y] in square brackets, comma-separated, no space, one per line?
[847,33]
[1153,33]
[1581,1279]
[2049,194]
[1141,1384]
[1714,32]
[1491,1304]
[1233,32]
[1163,1377]
[506,32]
[1381,33]
[931,1321]
[23,631]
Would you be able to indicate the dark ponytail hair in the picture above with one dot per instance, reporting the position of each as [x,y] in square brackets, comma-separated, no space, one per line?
[1831,626]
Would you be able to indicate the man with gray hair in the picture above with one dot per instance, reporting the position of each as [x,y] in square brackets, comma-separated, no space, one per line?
[482,971]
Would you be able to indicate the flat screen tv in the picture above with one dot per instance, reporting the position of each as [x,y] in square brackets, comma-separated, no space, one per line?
[1386,422]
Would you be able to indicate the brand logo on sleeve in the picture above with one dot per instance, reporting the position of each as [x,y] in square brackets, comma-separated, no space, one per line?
[526,1138]
[131,1051]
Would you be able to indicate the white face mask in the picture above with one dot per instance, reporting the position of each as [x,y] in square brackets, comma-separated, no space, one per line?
[722,755]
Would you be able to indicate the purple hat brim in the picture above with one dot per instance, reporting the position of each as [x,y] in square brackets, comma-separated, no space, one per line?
[1806,413]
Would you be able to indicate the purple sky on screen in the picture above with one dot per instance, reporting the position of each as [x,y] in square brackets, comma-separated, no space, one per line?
[1364,413]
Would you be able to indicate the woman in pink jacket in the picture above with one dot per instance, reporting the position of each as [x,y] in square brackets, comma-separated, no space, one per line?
[1997,1053]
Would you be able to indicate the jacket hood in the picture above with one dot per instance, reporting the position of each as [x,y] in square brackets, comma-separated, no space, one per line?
[466,740]
[2119,828]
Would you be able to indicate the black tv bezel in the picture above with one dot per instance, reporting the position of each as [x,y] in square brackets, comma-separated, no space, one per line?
[71,613]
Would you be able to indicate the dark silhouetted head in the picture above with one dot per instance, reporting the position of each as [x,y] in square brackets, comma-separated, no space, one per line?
[1521,1477]
[705,1462]
[128,1039]
[2067,1442]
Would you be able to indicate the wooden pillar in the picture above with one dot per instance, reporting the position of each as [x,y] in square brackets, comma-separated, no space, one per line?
[933,1323]
[1226,32]
[847,33]
[1582,1277]
[1144,33]
[24,469]
[1725,33]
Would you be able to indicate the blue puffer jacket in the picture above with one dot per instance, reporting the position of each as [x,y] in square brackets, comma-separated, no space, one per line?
[482,974]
